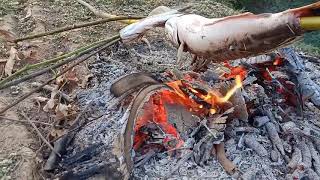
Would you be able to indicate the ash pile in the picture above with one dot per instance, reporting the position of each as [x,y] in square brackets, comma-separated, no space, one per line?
[143,119]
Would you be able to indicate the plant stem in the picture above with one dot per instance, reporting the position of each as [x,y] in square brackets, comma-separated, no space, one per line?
[85,57]
[71,55]
[76,26]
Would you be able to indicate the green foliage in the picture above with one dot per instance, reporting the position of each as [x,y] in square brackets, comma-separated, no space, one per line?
[7,6]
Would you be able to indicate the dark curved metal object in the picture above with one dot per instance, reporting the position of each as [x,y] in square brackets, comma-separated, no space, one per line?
[131,81]
[129,133]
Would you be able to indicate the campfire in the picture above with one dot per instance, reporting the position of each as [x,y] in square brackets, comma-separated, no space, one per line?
[186,114]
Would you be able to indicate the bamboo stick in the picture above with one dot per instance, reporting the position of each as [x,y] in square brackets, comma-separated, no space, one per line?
[310,23]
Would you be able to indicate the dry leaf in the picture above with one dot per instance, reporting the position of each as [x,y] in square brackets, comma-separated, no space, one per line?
[41,99]
[28,15]
[51,103]
[10,62]
[56,133]
[6,35]
[3,60]
[63,109]
[85,80]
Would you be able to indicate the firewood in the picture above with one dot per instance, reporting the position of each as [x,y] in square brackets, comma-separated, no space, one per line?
[296,67]
[312,175]
[253,144]
[250,174]
[223,160]
[274,137]
[274,155]
[237,99]
[315,156]
[259,121]
[306,154]
[295,159]
[268,171]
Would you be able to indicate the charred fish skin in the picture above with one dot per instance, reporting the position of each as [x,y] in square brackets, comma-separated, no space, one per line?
[238,36]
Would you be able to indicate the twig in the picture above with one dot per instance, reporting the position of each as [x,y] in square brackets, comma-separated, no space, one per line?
[42,71]
[25,121]
[47,62]
[77,26]
[112,41]
[50,88]
[39,133]
[103,14]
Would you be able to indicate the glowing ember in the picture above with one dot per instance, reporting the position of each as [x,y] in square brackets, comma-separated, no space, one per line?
[235,71]
[198,101]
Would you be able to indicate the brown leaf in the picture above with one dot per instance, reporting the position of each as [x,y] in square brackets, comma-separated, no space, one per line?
[41,99]
[7,36]
[63,109]
[10,61]
[86,80]
[51,103]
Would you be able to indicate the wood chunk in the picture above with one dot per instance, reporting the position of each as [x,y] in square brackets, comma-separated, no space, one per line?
[250,174]
[296,158]
[252,143]
[259,121]
[274,155]
[274,137]
[315,156]
[297,68]
[223,160]
[306,154]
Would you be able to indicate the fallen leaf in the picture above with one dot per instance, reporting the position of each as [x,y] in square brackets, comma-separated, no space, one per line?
[63,109]
[6,35]
[51,103]
[28,14]
[3,60]
[56,133]
[10,61]
[86,80]
[41,99]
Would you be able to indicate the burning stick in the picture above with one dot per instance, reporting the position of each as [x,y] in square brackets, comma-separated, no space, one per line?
[223,160]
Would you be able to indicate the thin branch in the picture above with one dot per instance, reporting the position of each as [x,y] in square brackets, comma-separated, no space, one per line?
[25,121]
[70,59]
[47,62]
[82,59]
[77,26]
[39,133]
[102,14]
[50,88]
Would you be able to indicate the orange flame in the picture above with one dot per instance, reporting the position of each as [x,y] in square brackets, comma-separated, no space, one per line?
[155,112]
